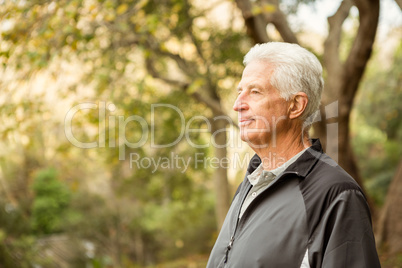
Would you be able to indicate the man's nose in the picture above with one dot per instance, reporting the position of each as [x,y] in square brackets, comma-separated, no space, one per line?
[240,104]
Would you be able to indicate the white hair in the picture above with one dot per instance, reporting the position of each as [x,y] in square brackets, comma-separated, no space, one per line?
[295,69]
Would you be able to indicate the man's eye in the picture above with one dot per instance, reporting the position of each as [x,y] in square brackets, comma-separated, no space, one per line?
[255,91]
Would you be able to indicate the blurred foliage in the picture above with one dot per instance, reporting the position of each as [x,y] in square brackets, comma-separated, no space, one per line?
[51,200]
[97,207]
[377,137]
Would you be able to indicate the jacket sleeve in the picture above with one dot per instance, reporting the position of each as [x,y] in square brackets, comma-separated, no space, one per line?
[344,237]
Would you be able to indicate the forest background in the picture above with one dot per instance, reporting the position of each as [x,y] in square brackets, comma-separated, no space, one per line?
[119,147]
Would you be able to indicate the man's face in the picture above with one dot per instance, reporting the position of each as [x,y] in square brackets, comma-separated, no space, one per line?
[262,112]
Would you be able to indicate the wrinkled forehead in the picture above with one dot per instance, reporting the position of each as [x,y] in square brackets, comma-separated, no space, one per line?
[255,73]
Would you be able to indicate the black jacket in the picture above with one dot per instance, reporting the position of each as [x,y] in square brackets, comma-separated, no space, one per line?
[314,205]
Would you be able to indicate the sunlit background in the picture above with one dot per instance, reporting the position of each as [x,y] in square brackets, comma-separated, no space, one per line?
[116,116]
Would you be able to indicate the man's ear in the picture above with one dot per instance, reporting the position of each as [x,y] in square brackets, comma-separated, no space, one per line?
[297,105]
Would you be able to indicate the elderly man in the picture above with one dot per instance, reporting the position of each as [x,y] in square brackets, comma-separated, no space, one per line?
[296,207]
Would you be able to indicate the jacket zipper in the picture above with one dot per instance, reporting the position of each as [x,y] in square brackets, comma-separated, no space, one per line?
[228,248]
[232,238]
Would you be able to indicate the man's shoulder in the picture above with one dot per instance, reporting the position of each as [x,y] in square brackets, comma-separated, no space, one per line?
[324,183]
[327,174]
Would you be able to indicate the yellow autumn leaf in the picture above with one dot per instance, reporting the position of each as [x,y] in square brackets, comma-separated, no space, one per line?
[110,17]
[92,7]
[195,85]
[162,47]
[268,8]
[122,9]
[255,10]
[141,4]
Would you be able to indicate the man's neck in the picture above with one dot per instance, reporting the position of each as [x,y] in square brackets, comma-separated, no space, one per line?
[277,153]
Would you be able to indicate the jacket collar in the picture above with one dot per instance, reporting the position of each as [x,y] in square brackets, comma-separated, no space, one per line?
[302,166]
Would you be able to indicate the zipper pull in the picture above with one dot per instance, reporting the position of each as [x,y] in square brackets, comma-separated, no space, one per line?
[231,242]
[228,248]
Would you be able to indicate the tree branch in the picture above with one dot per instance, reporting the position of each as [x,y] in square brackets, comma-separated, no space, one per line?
[200,53]
[214,105]
[281,24]
[361,50]
[183,64]
[278,19]
[332,61]
[399,2]
[255,24]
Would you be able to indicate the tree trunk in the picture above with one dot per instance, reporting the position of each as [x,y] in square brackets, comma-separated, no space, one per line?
[344,77]
[335,138]
[220,171]
[389,230]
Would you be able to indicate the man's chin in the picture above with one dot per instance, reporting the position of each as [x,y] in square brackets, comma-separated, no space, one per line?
[253,142]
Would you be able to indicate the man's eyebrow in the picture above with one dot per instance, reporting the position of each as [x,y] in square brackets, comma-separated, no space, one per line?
[253,85]
[249,86]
